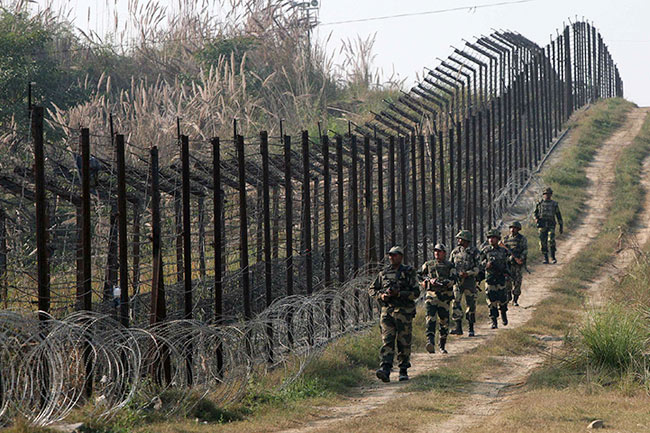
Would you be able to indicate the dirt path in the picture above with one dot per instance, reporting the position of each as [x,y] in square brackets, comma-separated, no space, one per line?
[487,395]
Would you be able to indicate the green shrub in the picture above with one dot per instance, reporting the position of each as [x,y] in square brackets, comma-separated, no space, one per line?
[614,338]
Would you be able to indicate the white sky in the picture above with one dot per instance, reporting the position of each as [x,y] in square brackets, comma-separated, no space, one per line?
[409,44]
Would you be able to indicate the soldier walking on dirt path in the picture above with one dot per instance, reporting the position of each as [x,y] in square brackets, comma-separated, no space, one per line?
[494,260]
[547,212]
[438,277]
[396,289]
[517,245]
[466,258]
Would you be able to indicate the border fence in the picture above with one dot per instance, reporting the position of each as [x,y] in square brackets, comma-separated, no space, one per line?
[157,277]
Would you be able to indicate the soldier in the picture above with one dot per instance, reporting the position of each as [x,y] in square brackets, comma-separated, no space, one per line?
[437,278]
[546,212]
[494,260]
[466,258]
[396,290]
[517,245]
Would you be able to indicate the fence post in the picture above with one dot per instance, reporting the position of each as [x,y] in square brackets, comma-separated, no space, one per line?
[122,233]
[391,191]
[370,227]
[217,211]
[340,210]
[243,226]
[423,191]
[402,176]
[414,187]
[327,229]
[307,213]
[85,225]
[355,203]
[443,209]
[381,229]
[136,247]
[266,212]
[41,215]
[452,216]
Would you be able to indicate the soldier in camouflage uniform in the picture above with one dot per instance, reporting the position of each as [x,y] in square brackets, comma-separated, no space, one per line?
[517,245]
[494,260]
[546,212]
[396,289]
[437,278]
[466,258]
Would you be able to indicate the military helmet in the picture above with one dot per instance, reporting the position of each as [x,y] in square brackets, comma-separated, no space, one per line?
[494,233]
[396,250]
[465,235]
[440,247]
[547,190]
[515,224]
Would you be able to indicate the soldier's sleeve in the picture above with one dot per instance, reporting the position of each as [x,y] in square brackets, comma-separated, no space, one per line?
[558,214]
[423,272]
[375,288]
[453,276]
[536,213]
[477,264]
[524,250]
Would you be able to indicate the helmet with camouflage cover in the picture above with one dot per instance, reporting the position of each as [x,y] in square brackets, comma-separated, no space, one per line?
[494,233]
[515,224]
[465,235]
[396,250]
[440,247]
[547,190]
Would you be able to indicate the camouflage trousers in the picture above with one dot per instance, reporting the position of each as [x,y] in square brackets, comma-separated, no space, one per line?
[396,328]
[497,298]
[470,301]
[547,239]
[437,309]
[513,285]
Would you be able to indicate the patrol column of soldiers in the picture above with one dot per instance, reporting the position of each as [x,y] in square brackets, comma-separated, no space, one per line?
[501,264]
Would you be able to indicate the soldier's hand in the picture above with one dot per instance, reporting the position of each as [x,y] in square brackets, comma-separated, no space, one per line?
[464,274]
[488,265]
[519,261]
[384,296]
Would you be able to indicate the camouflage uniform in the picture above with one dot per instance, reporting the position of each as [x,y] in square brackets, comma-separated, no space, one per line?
[495,280]
[518,247]
[466,260]
[546,212]
[396,313]
[438,298]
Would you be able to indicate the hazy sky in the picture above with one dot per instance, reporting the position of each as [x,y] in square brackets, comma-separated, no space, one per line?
[407,45]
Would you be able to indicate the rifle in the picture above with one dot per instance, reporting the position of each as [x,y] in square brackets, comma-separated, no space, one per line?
[525,264]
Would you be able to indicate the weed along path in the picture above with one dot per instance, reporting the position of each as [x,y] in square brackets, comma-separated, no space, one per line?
[486,392]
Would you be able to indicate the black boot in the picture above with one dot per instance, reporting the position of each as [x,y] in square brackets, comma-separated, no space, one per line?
[431,344]
[494,323]
[443,342]
[459,328]
[514,300]
[546,258]
[553,257]
[471,329]
[403,375]
[504,317]
[384,373]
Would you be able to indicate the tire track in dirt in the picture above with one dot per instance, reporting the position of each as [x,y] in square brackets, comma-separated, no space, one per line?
[488,389]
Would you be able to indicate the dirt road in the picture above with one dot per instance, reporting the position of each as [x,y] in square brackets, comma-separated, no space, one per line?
[487,396]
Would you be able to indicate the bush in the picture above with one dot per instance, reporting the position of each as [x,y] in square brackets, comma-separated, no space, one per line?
[614,338]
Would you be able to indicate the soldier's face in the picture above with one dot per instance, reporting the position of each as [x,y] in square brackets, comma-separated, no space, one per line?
[462,242]
[439,255]
[395,259]
[514,230]
[493,240]
[547,196]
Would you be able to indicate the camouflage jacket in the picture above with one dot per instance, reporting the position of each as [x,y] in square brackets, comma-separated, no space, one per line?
[546,212]
[405,280]
[518,247]
[466,260]
[499,267]
[445,272]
